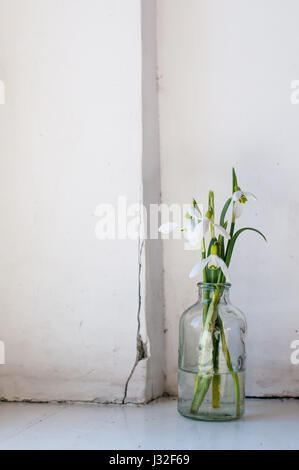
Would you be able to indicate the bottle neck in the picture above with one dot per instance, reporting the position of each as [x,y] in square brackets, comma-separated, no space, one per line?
[206,291]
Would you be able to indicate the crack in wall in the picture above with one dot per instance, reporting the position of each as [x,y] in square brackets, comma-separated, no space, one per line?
[141,348]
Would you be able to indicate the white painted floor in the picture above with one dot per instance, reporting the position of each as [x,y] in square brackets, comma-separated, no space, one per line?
[268,424]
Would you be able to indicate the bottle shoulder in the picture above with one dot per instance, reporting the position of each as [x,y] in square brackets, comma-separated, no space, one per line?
[233,313]
[228,312]
[195,308]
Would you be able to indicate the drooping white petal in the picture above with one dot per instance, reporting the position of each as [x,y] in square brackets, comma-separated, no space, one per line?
[168,228]
[238,209]
[188,225]
[194,233]
[250,196]
[206,224]
[191,212]
[194,214]
[220,230]
[237,195]
[224,269]
[189,230]
[199,267]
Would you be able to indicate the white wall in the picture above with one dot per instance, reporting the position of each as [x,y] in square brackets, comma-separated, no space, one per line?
[225,69]
[71,138]
[80,128]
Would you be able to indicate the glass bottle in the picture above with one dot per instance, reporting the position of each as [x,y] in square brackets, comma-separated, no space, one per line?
[211,379]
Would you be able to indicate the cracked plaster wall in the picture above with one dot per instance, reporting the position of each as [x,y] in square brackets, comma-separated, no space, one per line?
[78,316]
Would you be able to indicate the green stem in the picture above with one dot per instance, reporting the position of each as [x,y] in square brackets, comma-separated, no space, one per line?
[216,391]
[201,387]
[230,367]
[205,293]
[232,227]
[216,376]
[232,230]
[227,357]
[203,382]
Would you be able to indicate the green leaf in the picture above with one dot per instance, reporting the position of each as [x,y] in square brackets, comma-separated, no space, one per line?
[208,275]
[235,182]
[232,242]
[221,243]
[213,275]
[211,204]
[224,211]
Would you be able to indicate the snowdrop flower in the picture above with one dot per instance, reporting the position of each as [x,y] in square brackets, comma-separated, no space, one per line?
[212,262]
[195,227]
[192,231]
[207,223]
[239,199]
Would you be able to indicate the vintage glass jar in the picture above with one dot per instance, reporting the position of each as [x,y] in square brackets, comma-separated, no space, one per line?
[212,360]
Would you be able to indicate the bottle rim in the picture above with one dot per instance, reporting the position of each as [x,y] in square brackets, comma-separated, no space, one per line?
[214,285]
